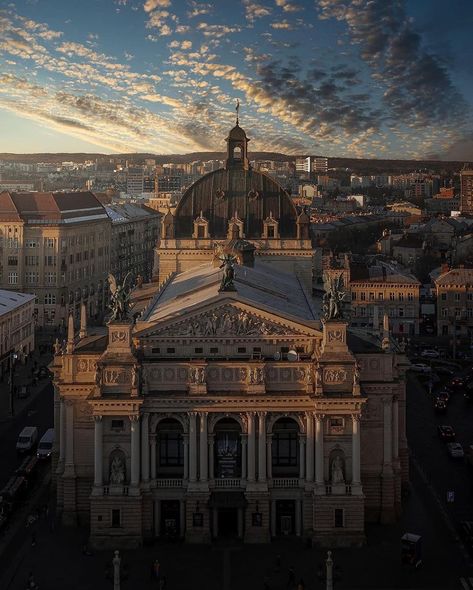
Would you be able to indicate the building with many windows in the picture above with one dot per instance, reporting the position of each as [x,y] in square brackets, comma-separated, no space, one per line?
[56,245]
[454,290]
[229,408]
[16,327]
[135,230]
[466,190]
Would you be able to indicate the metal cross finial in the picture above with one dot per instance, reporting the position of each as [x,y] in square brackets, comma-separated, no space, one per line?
[237,110]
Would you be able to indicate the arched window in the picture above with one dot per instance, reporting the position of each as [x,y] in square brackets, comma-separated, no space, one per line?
[237,153]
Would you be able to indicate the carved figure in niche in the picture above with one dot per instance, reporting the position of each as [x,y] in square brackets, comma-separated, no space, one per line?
[337,470]
[117,469]
[135,373]
[57,347]
[98,376]
[201,375]
[356,374]
[318,376]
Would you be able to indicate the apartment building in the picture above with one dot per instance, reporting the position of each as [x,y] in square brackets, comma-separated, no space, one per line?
[57,246]
[134,235]
[16,326]
[454,290]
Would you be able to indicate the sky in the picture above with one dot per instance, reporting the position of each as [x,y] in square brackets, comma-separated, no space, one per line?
[352,78]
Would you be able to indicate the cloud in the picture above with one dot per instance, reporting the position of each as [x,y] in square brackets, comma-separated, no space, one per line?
[253,10]
[151,5]
[283,25]
[217,31]
[417,83]
[288,6]
[198,9]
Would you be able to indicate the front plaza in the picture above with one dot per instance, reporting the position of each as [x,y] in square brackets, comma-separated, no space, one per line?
[229,413]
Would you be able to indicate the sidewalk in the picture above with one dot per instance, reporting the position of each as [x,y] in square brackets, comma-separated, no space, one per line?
[22,375]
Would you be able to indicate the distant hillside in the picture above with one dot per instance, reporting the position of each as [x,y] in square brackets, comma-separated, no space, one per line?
[357,165]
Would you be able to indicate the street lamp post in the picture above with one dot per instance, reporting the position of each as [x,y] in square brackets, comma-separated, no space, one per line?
[13,357]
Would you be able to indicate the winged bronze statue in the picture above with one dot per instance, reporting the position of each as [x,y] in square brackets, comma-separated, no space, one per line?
[333,299]
[120,298]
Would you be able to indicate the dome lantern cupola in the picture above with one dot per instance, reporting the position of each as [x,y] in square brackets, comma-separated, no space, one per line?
[237,147]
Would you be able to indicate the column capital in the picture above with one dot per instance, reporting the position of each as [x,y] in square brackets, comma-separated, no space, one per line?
[262,413]
[309,414]
[319,416]
[387,399]
[145,415]
[134,418]
[97,418]
[356,417]
[302,438]
[202,413]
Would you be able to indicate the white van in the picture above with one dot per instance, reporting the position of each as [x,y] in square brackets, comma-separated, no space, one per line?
[45,447]
[27,439]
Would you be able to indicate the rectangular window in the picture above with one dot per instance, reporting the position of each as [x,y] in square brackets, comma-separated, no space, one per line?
[469,296]
[391,296]
[284,449]
[13,278]
[49,242]
[256,348]
[31,243]
[445,313]
[401,312]
[116,518]
[198,350]
[270,231]
[50,261]
[371,296]
[339,518]
[363,296]
[353,296]
[170,350]
[155,350]
[50,278]
[401,296]
[443,296]
[380,296]
[241,349]
[457,296]
[410,296]
[117,424]
[13,261]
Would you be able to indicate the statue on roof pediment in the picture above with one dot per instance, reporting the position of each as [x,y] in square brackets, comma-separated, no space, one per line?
[224,321]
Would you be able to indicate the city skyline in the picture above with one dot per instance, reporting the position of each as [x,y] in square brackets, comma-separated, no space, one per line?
[359,79]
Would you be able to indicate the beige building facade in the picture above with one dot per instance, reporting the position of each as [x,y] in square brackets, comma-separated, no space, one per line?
[229,412]
[57,246]
[16,327]
[454,290]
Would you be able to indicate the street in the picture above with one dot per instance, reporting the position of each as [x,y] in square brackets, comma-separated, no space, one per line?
[37,413]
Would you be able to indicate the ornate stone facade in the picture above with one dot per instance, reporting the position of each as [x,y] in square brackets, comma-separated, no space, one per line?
[229,413]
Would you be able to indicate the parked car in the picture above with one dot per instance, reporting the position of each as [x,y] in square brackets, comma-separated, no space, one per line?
[444,395]
[444,371]
[446,432]
[45,446]
[430,353]
[420,368]
[457,383]
[455,450]
[440,405]
[27,440]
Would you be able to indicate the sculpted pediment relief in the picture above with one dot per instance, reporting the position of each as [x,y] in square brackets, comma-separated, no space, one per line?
[226,320]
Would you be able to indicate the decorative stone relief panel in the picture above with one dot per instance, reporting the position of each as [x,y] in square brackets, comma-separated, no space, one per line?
[116,376]
[335,375]
[86,365]
[224,321]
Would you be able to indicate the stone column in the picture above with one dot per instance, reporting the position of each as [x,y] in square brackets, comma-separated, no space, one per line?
[135,450]
[251,446]
[62,430]
[204,460]
[319,449]
[145,447]
[388,496]
[269,456]
[301,456]
[211,456]
[240,523]
[309,447]
[355,449]
[69,435]
[395,428]
[186,455]
[182,518]
[153,444]
[98,451]
[192,446]
[262,446]
[243,455]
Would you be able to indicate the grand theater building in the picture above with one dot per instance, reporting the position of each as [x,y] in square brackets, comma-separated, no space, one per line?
[232,411]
